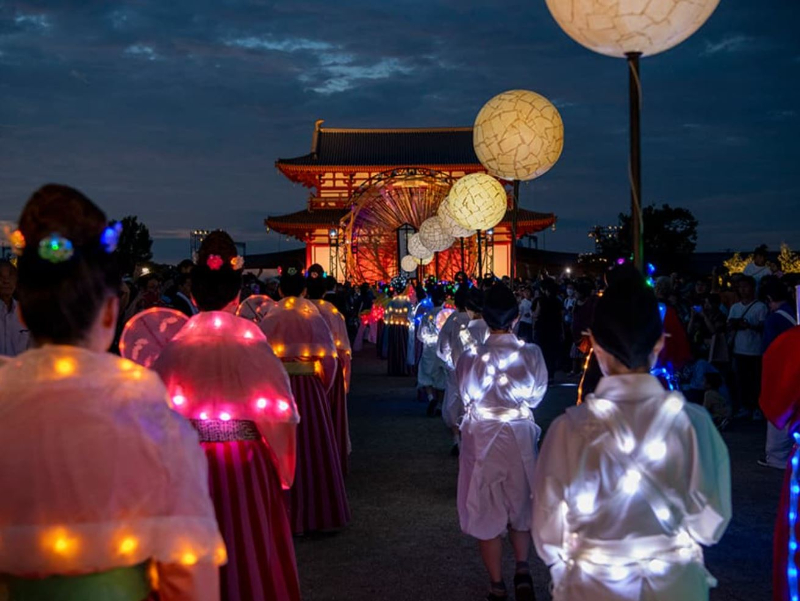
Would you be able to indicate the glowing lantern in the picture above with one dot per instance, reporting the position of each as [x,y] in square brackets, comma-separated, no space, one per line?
[477,201]
[619,27]
[417,249]
[433,236]
[261,403]
[450,225]
[518,135]
[408,263]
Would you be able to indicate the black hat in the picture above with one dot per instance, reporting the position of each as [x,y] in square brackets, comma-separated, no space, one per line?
[627,322]
[474,300]
[500,307]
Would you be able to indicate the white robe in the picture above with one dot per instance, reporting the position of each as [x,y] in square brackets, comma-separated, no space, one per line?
[628,486]
[458,335]
[431,370]
[500,382]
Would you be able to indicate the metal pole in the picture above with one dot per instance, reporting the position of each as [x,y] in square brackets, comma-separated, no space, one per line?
[480,260]
[514,212]
[462,255]
[635,165]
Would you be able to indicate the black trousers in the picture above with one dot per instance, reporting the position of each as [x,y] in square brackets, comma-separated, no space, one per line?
[747,381]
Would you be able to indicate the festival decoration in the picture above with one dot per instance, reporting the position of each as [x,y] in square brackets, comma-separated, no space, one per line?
[237,263]
[794,496]
[433,236]
[788,260]
[409,264]
[736,263]
[450,225]
[255,307]
[109,239]
[214,262]
[518,135]
[618,27]
[55,249]
[417,249]
[477,201]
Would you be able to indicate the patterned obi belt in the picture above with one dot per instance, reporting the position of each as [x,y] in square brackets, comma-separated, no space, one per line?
[217,430]
[501,414]
[301,368]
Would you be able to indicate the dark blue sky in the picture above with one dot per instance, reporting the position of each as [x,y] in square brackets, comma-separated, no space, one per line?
[176,110]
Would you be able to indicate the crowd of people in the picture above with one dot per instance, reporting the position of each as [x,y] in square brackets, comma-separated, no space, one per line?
[182,466]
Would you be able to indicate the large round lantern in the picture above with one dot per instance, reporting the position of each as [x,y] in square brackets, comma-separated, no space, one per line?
[477,201]
[450,225]
[619,27]
[409,264]
[433,236]
[518,135]
[417,249]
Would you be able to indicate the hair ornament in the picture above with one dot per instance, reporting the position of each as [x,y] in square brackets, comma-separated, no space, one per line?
[55,248]
[109,239]
[15,240]
[214,262]
[237,263]
[292,271]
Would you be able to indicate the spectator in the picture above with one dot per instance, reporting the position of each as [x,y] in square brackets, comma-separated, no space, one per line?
[582,315]
[706,321]
[182,301]
[717,404]
[676,352]
[715,321]
[746,325]
[547,330]
[780,319]
[758,268]
[525,332]
[13,334]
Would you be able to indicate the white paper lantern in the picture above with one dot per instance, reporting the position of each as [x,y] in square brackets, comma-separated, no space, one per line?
[518,135]
[409,264]
[427,261]
[417,249]
[433,236]
[450,225]
[477,201]
[617,27]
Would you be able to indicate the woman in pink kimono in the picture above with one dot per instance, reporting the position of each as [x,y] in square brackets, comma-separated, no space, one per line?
[301,338]
[104,488]
[223,376]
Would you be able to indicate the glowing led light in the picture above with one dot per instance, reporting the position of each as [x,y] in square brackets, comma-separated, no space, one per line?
[657,567]
[630,481]
[248,335]
[685,553]
[585,502]
[178,399]
[602,405]
[656,450]
[618,572]
[61,545]
[485,357]
[261,403]
[188,558]
[683,539]
[626,444]
[512,358]
[65,366]
[502,380]
[283,406]
[225,416]
[128,545]
[217,322]
[204,415]
[663,513]
[491,370]
[564,508]
[673,405]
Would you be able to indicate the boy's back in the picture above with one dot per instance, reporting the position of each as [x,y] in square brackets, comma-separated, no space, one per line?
[627,487]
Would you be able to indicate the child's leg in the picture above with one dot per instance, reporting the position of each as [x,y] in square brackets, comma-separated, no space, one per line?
[521,542]
[492,556]
[523,583]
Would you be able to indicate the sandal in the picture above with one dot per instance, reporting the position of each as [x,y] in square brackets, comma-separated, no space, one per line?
[523,587]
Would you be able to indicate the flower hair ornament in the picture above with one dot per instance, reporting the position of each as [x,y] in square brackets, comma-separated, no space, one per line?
[55,248]
[291,271]
[214,262]
[237,263]
[15,240]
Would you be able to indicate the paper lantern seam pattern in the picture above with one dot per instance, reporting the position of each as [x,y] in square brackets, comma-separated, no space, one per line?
[477,201]
[433,236]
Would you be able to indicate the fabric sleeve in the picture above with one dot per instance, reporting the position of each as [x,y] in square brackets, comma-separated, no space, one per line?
[549,492]
[708,502]
[538,368]
[780,380]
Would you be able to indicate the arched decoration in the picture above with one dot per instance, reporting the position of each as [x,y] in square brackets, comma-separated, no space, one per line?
[387,202]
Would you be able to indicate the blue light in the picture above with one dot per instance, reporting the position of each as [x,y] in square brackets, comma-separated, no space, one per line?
[651,269]
[794,494]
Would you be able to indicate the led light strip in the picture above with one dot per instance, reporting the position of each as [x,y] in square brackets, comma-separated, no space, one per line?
[794,493]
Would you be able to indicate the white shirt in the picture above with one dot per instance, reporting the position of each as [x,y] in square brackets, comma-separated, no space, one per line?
[756,272]
[628,485]
[748,342]
[525,315]
[14,337]
[453,337]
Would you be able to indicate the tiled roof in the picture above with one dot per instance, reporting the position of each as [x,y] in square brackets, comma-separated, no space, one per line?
[306,218]
[389,147]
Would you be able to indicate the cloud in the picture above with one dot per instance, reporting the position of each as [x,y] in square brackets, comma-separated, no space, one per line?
[782,115]
[284,45]
[32,21]
[338,78]
[141,51]
[728,45]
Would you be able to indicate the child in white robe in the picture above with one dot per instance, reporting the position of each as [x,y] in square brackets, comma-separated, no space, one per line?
[630,483]
[500,381]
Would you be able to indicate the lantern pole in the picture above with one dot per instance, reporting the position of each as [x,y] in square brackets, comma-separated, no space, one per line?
[514,212]
[480,260]
[635,165]
[462,255]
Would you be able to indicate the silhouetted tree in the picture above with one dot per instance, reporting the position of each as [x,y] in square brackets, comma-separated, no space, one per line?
[135,244]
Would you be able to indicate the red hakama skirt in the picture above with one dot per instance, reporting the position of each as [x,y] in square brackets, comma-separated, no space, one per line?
[318,500]
[341,425]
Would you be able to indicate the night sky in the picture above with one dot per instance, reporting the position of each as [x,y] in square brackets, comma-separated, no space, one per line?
[176,110]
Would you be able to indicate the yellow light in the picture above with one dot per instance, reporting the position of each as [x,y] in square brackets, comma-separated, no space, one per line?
[65,366]
[126,365]
[188,558]
[128,545]
[60,542]
[221,555]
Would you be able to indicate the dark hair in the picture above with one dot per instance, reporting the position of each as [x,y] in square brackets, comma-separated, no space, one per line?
[181,279]
[60,301]
[474,300]
[775,290]
[761,250]
[460,298]
[437,295]
[186,264]
[748,279]
[330,283]
[627,320]
[315,288]
[215,289]
[292,281]
[500,307]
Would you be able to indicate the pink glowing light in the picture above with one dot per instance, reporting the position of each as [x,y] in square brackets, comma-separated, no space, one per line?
[261,403]
[204,415]
[217,322]
[179,400]
[225,416]
[248,335]
[283,406]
